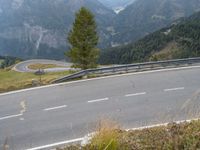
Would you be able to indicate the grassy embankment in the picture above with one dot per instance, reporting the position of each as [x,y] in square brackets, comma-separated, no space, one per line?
[43,66]
[184,136]
[11,80]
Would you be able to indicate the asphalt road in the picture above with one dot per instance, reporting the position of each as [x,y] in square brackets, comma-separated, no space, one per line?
[23,66]
[71,110]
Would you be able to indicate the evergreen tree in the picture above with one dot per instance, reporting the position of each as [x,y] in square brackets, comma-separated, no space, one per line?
[83,39]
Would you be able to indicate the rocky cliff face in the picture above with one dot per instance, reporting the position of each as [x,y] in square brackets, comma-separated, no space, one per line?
[34,34]
[38,28]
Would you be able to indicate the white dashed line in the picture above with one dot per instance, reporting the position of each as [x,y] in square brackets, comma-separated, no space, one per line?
[174,89]
[135,94]
[54,108]
[98,100]
[11,116]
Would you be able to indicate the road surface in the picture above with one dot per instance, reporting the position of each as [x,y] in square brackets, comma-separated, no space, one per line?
[23,66]
[47,115]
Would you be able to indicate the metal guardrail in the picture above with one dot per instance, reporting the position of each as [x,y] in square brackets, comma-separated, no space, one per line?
[130,68]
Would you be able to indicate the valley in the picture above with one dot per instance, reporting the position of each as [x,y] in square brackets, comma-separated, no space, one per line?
[38,29]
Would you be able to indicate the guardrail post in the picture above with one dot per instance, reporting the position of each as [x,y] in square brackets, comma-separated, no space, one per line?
[177,64]
[114,70]
[85,75]
[189,62]
[152,66]
[139,67]
[101,71]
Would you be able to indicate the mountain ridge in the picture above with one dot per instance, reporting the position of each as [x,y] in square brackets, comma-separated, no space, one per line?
[39,28]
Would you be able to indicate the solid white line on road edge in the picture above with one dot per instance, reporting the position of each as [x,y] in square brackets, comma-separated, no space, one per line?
[57,144]
[11,116]
[174,89]
[99,78]
[98,100]
[54,108]
[135,94]
[162,124]
[81,139]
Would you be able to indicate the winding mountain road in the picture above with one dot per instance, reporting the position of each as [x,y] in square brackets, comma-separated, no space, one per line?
[41,116]
[23,66]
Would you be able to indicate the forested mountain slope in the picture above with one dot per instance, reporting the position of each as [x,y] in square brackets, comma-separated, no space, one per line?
[146,16]
[180,40]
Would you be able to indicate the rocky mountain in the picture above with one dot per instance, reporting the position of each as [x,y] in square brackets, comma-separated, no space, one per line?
[116,5]
[146,16]
[38,28]
[179,40]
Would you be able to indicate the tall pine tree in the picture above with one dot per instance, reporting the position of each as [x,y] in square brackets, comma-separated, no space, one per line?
[83,39]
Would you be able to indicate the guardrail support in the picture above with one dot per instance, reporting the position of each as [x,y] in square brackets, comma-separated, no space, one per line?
[126,68]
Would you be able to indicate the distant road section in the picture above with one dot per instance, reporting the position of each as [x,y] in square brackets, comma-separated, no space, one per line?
[24,66]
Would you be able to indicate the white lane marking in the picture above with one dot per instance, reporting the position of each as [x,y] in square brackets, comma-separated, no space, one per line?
[99,78]
[98,100]
[56,144]
[174,89]
[135,94]
[81,139]
[11,116]
[21,119]
[54,108]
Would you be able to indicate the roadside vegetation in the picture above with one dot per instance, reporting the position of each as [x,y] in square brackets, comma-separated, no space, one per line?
[7,61]
[1,61]
[184,136]
[11,80]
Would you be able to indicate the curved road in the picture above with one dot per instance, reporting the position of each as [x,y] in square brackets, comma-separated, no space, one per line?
[46,115]
[23,66]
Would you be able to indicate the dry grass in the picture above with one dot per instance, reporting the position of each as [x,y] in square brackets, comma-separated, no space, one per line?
[42,66]
[172,137]
[12,80]
[106,137]
[184,136]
